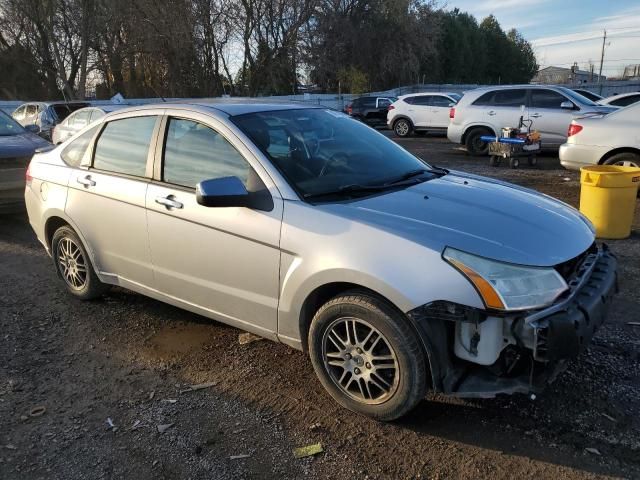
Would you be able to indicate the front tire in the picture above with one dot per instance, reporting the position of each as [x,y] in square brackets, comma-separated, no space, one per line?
[402,127]
[74,266]
[367,356]
[475,146]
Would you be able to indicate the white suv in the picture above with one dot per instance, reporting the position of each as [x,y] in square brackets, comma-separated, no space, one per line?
[420,112]
[485,111]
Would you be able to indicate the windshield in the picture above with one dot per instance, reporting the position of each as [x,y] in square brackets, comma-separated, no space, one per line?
[320,151]
[8,126]
[577,97]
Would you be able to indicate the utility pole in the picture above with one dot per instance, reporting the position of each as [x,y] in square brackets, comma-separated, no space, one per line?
[604,39]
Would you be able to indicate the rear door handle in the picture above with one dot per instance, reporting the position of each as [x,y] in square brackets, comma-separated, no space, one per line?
[536,115]
[86,181]
[491,112]
[168,202]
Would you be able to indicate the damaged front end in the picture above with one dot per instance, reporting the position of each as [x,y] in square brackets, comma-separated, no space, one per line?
[482,353]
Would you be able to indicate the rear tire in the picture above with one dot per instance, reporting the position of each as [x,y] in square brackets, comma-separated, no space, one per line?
[475,146]
[367,356]
[73,265]
[402,128]
[625,159]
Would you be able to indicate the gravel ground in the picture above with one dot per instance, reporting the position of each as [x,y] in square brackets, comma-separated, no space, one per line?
[127,358]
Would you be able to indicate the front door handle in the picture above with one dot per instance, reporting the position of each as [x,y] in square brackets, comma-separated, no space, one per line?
[536,115]
[491,112]
[168,202]
[86,181]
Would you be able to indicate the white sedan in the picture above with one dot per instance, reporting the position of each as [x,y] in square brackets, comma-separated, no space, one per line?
[612,139]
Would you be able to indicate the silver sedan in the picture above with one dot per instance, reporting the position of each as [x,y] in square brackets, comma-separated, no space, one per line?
[307,227]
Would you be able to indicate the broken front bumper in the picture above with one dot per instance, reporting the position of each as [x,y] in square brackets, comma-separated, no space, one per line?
[560,332]
[565,329]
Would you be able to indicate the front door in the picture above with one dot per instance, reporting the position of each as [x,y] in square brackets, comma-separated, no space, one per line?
[107,200]
[549,118]
[224,261]
[440,106]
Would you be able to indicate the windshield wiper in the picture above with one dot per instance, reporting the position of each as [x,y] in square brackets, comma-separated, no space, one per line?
[347,189]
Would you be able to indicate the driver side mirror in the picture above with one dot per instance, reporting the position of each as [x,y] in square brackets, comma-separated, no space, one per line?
[567,105]
[222,192]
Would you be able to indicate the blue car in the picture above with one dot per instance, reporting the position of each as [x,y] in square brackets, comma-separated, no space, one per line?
[17,146]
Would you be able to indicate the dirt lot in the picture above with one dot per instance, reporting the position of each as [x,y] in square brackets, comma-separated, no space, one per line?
[127,358]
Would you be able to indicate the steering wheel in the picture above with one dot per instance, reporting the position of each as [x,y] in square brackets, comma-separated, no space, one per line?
[335,158]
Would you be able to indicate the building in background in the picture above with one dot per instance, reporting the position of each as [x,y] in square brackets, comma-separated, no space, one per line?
[631,72]
[569,76]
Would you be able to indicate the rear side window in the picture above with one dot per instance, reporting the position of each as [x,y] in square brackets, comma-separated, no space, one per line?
[194,152]
[541,98]
[96,114]
[75,151]
[369,102]
[623,102]
[80,119]
[19,113]
[31,110]
[123,146]
[503,98]
[421,100]
[438,101]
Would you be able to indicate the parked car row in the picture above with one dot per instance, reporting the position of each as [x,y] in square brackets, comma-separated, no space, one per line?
[558,113]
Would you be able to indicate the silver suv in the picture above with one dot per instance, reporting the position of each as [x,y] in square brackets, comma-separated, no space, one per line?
[307,227]
[485,111]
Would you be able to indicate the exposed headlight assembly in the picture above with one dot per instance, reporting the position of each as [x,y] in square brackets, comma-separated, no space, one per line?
[505,286]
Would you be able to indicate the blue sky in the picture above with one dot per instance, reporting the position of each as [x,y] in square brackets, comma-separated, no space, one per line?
[562,32]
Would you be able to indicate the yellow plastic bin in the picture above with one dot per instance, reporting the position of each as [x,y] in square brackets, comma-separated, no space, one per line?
[608,198]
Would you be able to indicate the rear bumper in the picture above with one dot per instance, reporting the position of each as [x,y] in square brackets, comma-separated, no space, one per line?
[454,133]
[573,156]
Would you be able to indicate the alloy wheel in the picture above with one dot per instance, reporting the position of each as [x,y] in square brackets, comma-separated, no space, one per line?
[72,263]
[360,360]
[402,128]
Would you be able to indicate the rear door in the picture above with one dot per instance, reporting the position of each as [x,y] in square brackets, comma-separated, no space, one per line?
[440,106]
[221,261]
[506,108]
[420,110]
[548,117]
[106,199]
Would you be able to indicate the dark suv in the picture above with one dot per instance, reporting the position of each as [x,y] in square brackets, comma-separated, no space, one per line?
[371,110]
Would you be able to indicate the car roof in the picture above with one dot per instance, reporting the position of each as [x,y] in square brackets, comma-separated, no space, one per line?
[231,107]
[422,94]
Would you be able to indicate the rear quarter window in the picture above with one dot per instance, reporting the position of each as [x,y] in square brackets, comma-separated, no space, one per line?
[73,153]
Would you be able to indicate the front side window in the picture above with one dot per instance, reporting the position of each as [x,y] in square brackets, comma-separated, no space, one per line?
[194,152]
[542,98]
[422,100]
[75,151]
[123,146]
[320,151]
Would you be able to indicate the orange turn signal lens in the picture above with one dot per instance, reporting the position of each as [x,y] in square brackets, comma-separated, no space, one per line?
[489,295]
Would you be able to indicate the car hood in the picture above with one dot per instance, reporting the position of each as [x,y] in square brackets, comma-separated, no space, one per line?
[22,145]
[485,217]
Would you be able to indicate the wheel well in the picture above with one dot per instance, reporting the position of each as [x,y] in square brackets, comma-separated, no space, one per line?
[53,224]
[610,154]
[472,127]
[402,117]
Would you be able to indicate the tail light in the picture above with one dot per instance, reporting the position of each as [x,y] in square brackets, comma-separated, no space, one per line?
[390,107]
[349,109]
[573,129]
[452,112]
[27,175]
